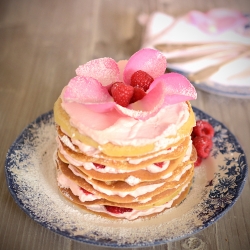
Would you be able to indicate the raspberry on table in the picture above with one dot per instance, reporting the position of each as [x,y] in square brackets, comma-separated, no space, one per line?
[141,79]
[122,93]
[203,146]
[203,128]
[118,210]
[198,161]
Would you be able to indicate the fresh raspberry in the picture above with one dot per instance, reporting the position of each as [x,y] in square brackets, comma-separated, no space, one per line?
[198,161]
[85,191]
[97,165]
[141,79]
[118,210]
[203,145]
[159,164]
[138,94]
[122,93]
[203,128]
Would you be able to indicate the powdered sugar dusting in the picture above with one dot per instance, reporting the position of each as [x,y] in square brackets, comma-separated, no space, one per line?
[31,177]
[85,90]
[105,70]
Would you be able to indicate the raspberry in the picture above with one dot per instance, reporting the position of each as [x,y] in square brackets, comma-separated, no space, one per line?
[97,165]
[198,161]
[159,164]
[141,79]
[203,128]
[137,95]
[85,191]
[118,210]
[203,145]
[122,93]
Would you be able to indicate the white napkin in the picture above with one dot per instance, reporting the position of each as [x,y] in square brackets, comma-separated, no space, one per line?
[197,27]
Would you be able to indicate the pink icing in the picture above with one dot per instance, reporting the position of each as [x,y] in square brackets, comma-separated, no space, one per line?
[97,121]
[122,130]
[88,88]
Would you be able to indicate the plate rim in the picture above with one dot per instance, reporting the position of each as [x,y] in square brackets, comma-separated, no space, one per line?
[209,89]
[45,117]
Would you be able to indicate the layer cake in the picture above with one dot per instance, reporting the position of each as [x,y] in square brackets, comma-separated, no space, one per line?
[123,135]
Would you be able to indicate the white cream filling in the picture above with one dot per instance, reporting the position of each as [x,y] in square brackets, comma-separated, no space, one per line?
[107,169]
[131,180]
[135,193]
[91,151]
[188,152]
[178,177]
[90,166]
[65,182]
[136,161]
[136,213]
[88,150]
[167,175]
[152,168]
[65,139]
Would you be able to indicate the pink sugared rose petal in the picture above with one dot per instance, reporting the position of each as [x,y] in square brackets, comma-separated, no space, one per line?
[121,65]
[85,90]
[104,70]
[149,60]
[177,88]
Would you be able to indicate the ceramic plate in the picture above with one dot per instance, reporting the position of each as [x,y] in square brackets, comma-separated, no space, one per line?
[31,178]
[218,89]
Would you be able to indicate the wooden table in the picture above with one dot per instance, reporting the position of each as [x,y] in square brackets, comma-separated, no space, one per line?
[41,44]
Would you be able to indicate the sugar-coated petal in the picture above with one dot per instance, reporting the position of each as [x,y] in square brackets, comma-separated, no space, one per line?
[149,60]
[105,70]
[121,65]
[85,90]
[177,88]
[90,87]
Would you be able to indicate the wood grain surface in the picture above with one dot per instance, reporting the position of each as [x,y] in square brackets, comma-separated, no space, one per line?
[41,44]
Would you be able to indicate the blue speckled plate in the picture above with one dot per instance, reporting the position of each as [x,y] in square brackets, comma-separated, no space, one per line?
[31,178]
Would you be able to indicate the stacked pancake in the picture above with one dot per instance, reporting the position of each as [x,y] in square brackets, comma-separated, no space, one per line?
[124,162]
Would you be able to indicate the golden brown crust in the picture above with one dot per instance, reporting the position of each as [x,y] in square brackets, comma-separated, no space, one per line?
[163,193]
[142,174]
[152,157]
